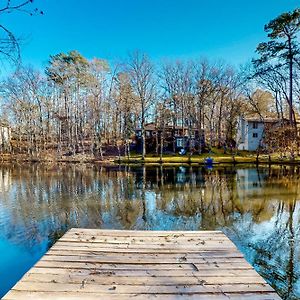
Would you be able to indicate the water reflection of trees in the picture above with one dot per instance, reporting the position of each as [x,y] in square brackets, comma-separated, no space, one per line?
[276,253]
[258,209]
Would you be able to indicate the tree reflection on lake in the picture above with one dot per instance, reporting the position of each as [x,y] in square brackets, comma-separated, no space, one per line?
[257,208]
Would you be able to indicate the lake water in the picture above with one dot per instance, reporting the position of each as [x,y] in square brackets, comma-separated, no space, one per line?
[257,208]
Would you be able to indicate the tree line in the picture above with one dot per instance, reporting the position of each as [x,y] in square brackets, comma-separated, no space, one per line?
[80,105]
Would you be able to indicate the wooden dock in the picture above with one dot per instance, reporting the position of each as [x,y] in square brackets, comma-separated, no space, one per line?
[111,264]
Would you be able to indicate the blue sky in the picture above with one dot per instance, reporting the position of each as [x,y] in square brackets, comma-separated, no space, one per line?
[109,29]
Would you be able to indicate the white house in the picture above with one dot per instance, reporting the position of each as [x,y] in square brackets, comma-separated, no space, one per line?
[250,132]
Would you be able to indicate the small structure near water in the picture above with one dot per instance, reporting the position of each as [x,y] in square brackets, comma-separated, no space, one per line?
[121,264]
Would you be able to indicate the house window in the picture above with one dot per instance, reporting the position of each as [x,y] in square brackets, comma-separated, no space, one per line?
[255,125]
[255,135]
[179,142]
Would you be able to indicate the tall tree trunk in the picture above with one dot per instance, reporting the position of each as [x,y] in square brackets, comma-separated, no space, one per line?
[162,144]
[143,144]
[143,134]
[291,56]
[220,122]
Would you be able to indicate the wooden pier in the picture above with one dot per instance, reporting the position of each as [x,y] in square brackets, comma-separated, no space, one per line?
[111,264]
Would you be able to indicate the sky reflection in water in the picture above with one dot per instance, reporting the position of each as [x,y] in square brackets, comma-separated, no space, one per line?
[257,208]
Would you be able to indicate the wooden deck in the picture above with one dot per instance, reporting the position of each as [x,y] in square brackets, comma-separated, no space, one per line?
[110,264]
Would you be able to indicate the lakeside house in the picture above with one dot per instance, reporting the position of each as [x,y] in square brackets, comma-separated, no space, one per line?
[251,131]
[175,138]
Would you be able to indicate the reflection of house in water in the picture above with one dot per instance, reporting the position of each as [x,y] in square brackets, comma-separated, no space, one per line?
[249,182]
[5,180]
[180,176]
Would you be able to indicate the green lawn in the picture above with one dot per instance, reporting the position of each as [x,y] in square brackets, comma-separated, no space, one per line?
[217,154]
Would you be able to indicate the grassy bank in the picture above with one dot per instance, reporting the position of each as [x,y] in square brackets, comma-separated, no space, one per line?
[218,158]
[49,158]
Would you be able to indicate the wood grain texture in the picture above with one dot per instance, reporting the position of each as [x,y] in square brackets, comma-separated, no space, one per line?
[112,264]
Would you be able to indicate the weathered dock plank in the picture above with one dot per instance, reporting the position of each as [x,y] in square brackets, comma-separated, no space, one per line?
[112,264]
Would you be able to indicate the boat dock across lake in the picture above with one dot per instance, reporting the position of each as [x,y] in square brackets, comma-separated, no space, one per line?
[120,264]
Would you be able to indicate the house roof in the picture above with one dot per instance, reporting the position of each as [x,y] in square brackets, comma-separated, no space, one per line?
[264,120]
[152,127]
[149,126]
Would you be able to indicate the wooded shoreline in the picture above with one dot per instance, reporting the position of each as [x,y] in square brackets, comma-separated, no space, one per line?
[153,160]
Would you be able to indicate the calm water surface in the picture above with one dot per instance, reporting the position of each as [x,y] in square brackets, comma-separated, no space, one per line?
[257,208]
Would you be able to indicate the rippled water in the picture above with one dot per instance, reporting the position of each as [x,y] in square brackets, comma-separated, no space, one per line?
[257,208]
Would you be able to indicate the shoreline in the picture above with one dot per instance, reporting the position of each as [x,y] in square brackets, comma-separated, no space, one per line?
[151,160]
[217,160]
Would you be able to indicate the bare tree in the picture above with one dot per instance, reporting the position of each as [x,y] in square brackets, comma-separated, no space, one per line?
[9,43]
[141,72]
